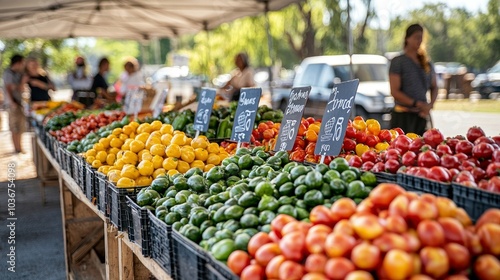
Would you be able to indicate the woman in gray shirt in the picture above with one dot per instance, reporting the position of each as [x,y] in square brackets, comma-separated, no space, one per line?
[411,75]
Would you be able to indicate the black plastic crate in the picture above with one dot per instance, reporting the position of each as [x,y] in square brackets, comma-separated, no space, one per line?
[118,204]
[79,171]
[189,259]
[384,177]
[423,185]
[138,226]
[100,193]
[215,270]
[58,147]
[68,161]
[90,182]
[160,236]
[474,201]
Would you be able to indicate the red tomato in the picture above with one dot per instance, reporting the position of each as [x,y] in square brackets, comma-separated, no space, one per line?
[322,215]
[392,166]
[464,146]
[394,154]
[385,135]
[369,156]
[350,132]
[452,143]
[272,268]
[494,184]
[439,173]
[237,261]
[265,253]
[416,144]
[360,137]
[367,166]
[461,157]
[449,161]
[349,144]
[258,241]
[399,130]
[252,272]
[493,169]
[409,159]
[378,167]
[310,148]
[464,176]
[372,140]
[474,132]
[302,129]
[355,161]
[279,222]
[299,142]
[482,151]
[402,143]
[262,127]
[292,246]
[310,120]
[428,159]
[298,155]
[290,270]
[496,138]
[443,149]
[433,137]
[418,171]
[316,263]
[268,134]
[478,174]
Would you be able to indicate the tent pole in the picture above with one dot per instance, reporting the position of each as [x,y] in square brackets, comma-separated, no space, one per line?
[207,60]
[269,45]
[349,35]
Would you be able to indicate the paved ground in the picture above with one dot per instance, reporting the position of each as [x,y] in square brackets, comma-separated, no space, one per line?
[451,123]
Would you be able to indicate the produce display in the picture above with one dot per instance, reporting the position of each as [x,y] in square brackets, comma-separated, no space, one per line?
[393,234]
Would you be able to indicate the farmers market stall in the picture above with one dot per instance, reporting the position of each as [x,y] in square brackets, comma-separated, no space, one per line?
[228,192]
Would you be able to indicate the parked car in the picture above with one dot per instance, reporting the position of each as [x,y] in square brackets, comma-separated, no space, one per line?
[489,82]
[373,99]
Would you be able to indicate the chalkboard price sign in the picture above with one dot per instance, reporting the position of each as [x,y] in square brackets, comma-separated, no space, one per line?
[205,105]
[244,118]
[334,122]
[292,117]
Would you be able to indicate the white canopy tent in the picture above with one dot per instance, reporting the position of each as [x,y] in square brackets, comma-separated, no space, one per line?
[122,19]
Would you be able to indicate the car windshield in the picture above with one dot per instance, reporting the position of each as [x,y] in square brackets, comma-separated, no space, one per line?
[495,69]
[363,72]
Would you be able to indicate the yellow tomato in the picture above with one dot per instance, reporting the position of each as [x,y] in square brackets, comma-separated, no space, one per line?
[104,169]
[166,139]
[98,147]
[200,142]
[153,141]
[119,163]
[198,163]
[134,125]
[145,168]
[130,171]
[201,154]
[213,148]
[114,175]
[132,135]
[113,151]
[187,154]
[144,127]
[126,144]
[172,172]
[188,140]
[412,135]
[143,137]
[208,167]
[167,129]
[104,142]
[90,153]
[116,143]
[157,150]
[129,157]
[117,131]
[143,181]
[179,139]
[183,166]
[142,152]
[119,155]
[136,146]
[125,183]
[156,125]
[147,156]
[382,146]
[157,161]
[173,150]
[128,129]
[158,171]
[96,163]
[101,156]
[178,132]
[123,137]
[170,163]
[213,159]
[110,159]
[89,159]
[223,156]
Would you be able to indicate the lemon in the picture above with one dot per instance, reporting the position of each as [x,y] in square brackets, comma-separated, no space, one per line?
[179,139]
[123,137]
[90,159]
[165,139]
[119,163]
[213,159]
[157,150]
[114,175]
[156,125]
[96,163]
[113,151]
[173,150]
[101,156]
[145,168]
[213,148]
[104,142]
[201,154]
[183,166]
[134,125]
[128,129]
[143,181]
[136,146]
[143,137]
[129,157]
[144,127]
[110,159]
[116,143]
[157,161]
[125,183]
[170,163]
[98,147]
[90,153]
[147,156]
[130,171]
[117,131]
[158,171]
[198,163]
[208,167]
[172,172]
[152,141]
[167,129]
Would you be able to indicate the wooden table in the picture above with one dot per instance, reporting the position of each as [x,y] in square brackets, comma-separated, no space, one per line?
[93,247]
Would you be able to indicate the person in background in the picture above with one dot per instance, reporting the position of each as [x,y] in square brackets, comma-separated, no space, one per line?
[14,81]
[411,75]
[131,78]
[81,83]
[100,85]
[38,81]
[242,77]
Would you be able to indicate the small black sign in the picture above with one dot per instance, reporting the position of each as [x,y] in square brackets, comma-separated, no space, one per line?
[291,118]
[334,122]
[205,105]
[244,118]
